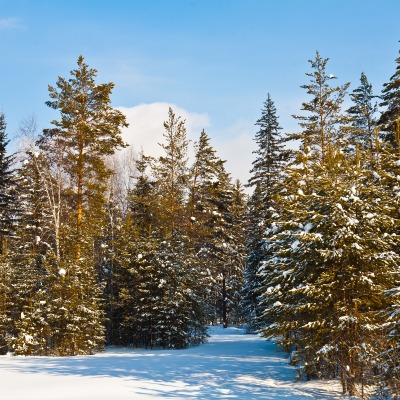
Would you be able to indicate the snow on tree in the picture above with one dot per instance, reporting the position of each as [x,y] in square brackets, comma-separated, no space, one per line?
[324,285]
[325,124]
[7,209]
[363,114]
[171,174]
[389,119]
[271,157]
[88,130]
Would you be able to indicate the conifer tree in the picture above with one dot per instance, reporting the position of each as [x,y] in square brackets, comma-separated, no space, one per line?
[88,130]
[6,183]
[171,174]
[324,284]
[265,176]
[363,113]
[6,322]
[29,249]
[389,119]
[325,124]
[7,213]
[160,305]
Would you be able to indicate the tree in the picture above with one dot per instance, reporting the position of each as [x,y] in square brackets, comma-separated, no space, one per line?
[271,157]
[389,119]
[171,174]
[324,285]
[325,124]
[363,113]
[89,129]
[7,210]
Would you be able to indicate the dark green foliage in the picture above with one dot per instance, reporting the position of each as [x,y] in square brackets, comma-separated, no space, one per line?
[363,113]
[7,202]
[325,124]
[271,157]
[161,305]
[389,119]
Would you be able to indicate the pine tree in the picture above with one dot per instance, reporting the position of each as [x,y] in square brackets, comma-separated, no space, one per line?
[6,279]
[235,282]
[325,124]
[161,307]
[7,213]
[6,183]
[325,282]
[265,176]
[28,252]
[363,113]
[171,174]
[388,121]
[88,130]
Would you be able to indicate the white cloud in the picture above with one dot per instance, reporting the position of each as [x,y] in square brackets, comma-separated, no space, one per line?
[9,23]
[146,125]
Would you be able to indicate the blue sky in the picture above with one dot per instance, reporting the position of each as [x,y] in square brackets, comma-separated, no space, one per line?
[213,60]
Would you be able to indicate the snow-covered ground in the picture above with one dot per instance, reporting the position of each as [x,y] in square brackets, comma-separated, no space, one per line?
[231,365]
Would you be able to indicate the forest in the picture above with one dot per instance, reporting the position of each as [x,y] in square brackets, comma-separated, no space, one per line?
[99,247]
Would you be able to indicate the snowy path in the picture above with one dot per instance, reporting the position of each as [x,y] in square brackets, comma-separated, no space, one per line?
[230,366]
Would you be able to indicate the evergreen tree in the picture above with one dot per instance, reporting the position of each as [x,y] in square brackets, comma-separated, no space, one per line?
[324,285]
[161,307]
[235,282]
[265,176]
[6,183]
[171,174]
[6,279]
[29,249]
[160,303]
[88,130]
[389,119]
[325,124]
[363,113]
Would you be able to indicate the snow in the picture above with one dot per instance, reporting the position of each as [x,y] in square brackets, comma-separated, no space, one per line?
[232,365]
[308,227]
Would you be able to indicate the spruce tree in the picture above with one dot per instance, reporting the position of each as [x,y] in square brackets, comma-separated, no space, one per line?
[324,285]
[171,174]
[265,176]
[363,113]
[7,209]
[29,250]
[7,213]
[389,119]
[325,124]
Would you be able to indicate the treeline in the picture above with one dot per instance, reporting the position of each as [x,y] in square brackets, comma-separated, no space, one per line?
[86,262]
[323,264]
[311,258]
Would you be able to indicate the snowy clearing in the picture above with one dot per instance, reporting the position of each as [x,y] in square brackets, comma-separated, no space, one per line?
[231,365]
